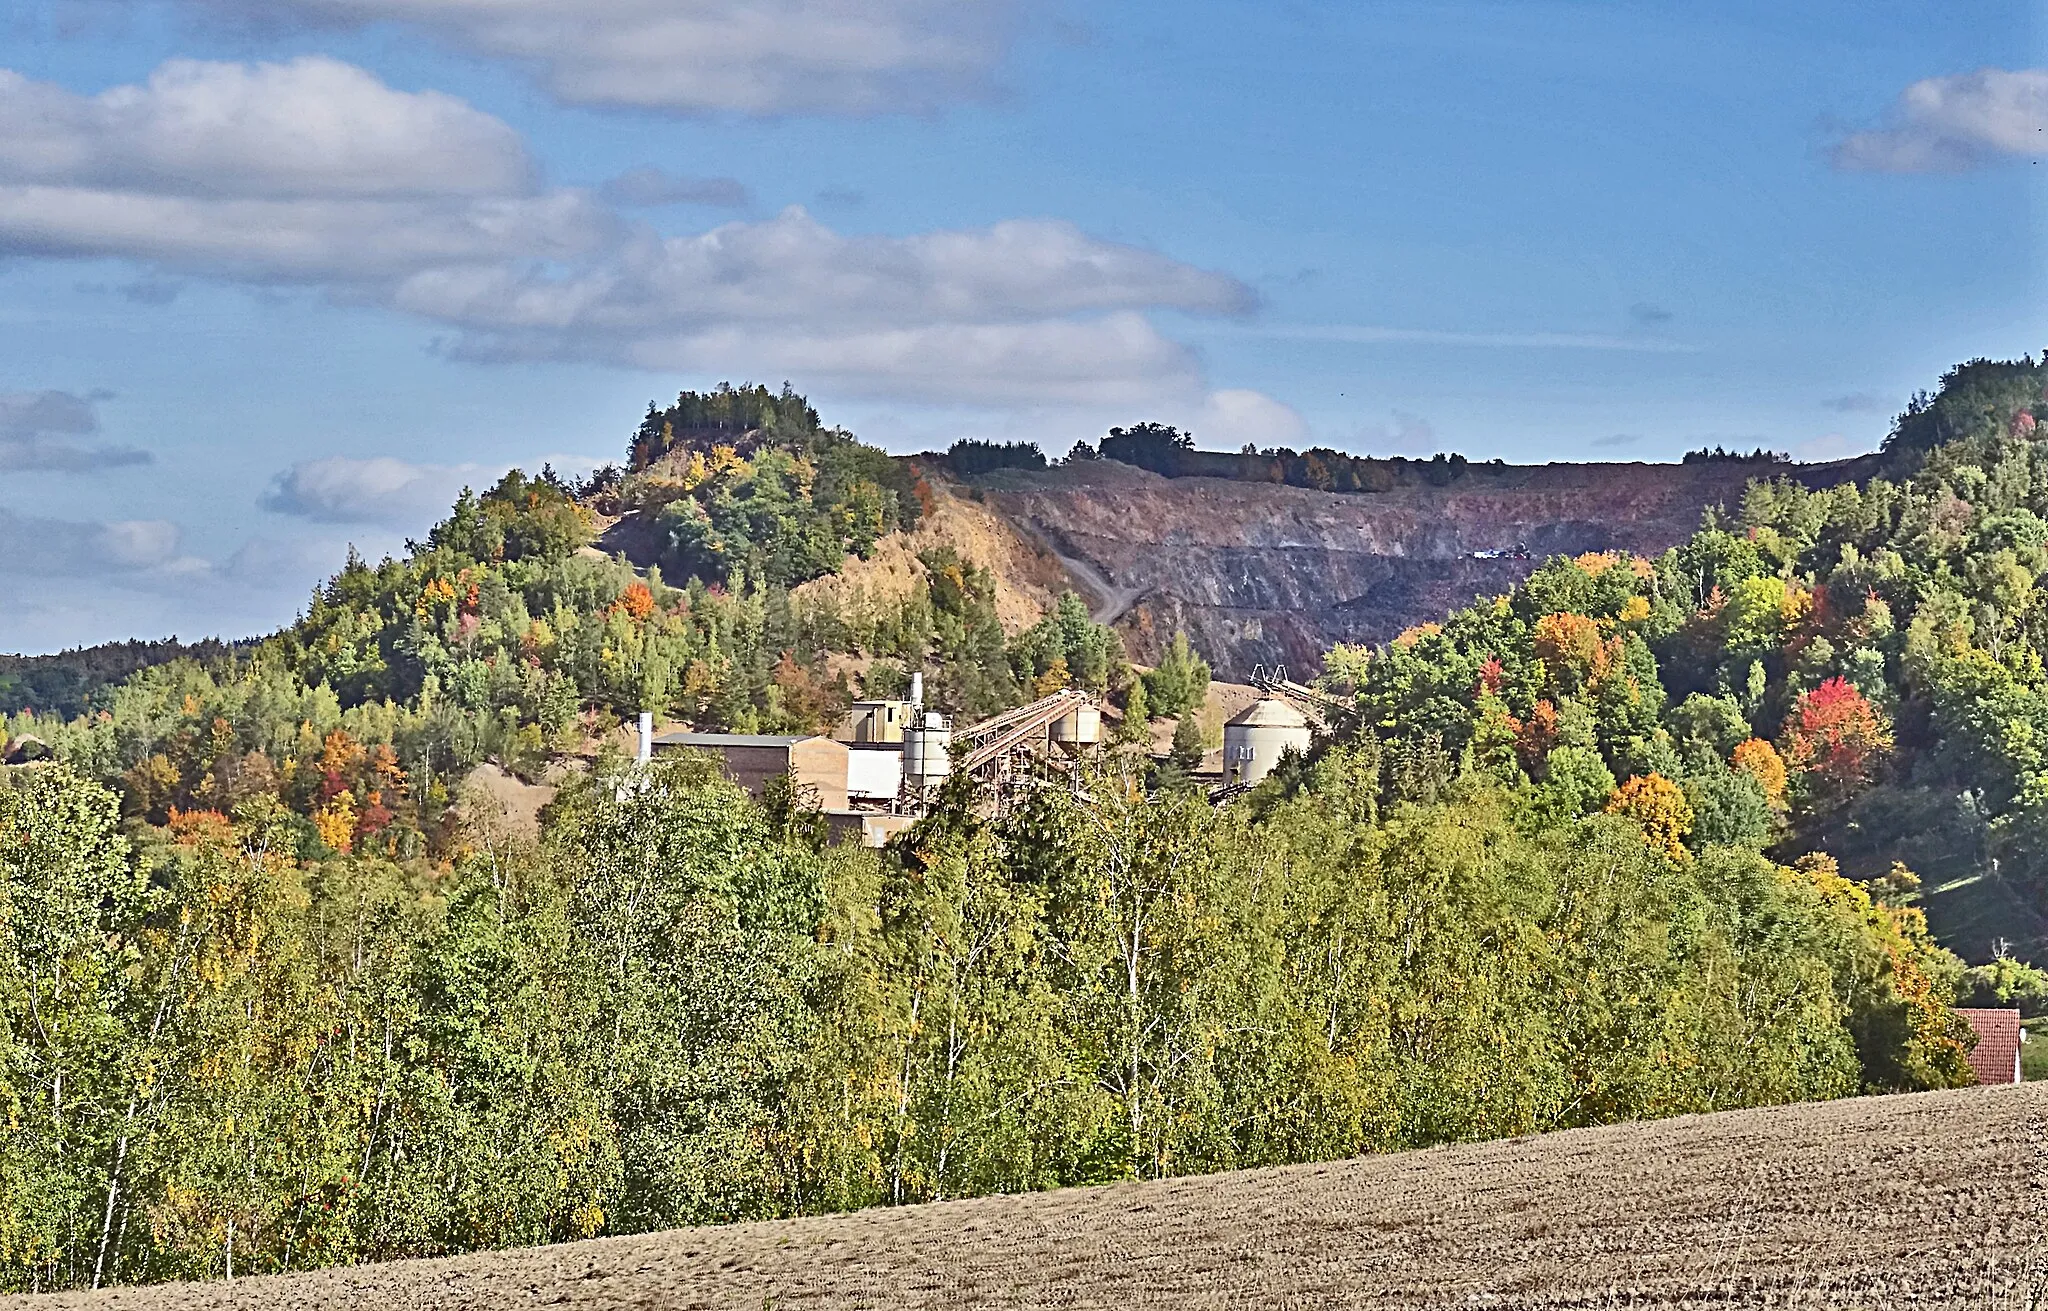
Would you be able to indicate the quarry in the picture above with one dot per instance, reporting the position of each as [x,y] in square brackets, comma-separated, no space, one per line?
[1264,573]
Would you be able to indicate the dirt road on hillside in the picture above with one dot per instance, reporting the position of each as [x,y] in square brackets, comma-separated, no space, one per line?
[1937,1200]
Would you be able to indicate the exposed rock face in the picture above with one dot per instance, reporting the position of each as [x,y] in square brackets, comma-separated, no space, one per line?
[1261,573]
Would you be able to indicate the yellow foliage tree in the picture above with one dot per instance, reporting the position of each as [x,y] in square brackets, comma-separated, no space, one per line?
[1761,761]
[335,822]
[1659,806]
[1055,678]
[1596,563]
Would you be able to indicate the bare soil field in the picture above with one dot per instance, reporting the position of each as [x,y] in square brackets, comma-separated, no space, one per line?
[1932,1200]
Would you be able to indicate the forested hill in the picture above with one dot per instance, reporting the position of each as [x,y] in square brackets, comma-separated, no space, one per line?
[72,682]
[1618,842]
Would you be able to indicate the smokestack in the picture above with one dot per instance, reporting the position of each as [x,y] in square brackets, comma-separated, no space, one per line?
[646,736]
[916,692]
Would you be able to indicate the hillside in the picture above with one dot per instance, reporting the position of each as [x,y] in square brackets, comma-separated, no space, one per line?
[1259,573]
[1932,1200]
[1575,858]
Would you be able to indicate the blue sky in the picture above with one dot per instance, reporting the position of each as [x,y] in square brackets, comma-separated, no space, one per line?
[277,277]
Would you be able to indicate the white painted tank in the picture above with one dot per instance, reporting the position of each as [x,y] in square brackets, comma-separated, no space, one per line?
[1258,736]
[927,750]
[1081,727]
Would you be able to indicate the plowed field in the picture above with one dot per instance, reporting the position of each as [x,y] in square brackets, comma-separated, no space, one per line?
[1937,1200]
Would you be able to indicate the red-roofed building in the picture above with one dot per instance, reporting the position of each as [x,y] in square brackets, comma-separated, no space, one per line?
[1996,1058]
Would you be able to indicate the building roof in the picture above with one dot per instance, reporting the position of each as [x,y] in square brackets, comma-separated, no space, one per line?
[728,740]
[1996,1058]
[1269,712]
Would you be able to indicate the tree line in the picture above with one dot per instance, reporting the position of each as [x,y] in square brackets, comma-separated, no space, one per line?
[679,1006]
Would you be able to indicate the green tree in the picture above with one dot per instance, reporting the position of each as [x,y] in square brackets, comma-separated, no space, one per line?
[1181,681]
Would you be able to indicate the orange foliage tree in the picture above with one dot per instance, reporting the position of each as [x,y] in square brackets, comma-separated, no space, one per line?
[1537,735]
[637,601]
[1572,650]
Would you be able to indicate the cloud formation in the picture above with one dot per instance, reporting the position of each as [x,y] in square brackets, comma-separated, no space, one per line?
[1030,310]
[434,211]
[71,582]
[311,170]
[1404,434]
[1233,416]
[753,57]
[36,428]
[120,549]
[312,127]
[1952,124]
[379,490]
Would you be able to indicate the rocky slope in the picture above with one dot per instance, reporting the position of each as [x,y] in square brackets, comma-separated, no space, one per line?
[1260,573]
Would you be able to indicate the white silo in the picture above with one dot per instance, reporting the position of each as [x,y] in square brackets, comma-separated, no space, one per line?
[1254,741]
[1077,730]
[927,751]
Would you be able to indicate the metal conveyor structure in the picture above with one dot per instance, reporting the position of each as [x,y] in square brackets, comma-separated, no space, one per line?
[991,742]
[1273,680]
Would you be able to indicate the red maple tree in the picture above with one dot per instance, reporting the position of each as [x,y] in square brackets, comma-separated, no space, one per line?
[1836,737]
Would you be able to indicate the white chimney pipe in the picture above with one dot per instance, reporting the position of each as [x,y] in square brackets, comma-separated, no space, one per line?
[646,736]
[916,692]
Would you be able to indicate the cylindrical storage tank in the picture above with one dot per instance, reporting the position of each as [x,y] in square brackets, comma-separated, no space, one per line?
[1254,741]
[1080,727]
[928,751]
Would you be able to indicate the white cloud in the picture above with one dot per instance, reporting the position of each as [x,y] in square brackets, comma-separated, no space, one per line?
[308,170]
[68,548]
[379,490]
[1949,124]
[72,583]
[1026,311]
[792,269]
[1233,416]
[311,127]
[1117,360]
[321,240]
[757,57]
[35,426]
[1402,434]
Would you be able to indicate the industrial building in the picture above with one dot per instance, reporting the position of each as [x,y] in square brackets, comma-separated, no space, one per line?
[876,722]
[817,765]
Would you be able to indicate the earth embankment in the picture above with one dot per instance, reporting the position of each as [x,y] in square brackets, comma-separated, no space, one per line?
[1936,1200]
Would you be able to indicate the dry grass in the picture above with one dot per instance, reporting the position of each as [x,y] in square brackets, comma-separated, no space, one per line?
[1935,1200]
